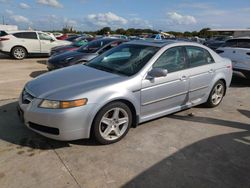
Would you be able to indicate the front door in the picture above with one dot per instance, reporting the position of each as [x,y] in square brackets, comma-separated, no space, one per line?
[164,95]
[46,42]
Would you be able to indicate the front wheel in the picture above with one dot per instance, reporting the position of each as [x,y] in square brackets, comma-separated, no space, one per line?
[216,94]
[112,123]
[19,53]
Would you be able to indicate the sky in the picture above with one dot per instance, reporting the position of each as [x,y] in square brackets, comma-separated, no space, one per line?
[89,15]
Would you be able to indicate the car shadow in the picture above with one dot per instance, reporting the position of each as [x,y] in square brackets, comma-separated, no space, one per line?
[15,132]
[244,112]
[43,61]
[34,74]
[219,161]
[4,56]
[239,80]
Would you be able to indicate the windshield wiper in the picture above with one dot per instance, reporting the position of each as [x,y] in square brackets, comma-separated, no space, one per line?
[107,69]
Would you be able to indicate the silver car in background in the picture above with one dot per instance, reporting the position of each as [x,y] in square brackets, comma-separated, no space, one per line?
[130,84]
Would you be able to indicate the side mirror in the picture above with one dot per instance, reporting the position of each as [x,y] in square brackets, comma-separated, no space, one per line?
[157,72]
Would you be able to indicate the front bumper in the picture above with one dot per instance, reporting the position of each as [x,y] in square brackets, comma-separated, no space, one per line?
[58,124]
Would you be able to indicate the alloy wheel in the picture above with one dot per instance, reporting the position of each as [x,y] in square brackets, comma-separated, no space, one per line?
[114,124]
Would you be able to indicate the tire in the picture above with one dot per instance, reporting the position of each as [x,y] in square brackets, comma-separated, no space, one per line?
[216,94]
[19,52]
[112,123]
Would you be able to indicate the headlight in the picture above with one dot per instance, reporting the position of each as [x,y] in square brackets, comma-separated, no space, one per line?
[62,104]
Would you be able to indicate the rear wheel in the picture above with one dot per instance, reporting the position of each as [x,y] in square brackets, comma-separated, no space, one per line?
[216,94]
[19,52]
[112,123]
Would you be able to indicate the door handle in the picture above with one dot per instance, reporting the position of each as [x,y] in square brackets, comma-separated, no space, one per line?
[234,52]
[211,71]
[183,78]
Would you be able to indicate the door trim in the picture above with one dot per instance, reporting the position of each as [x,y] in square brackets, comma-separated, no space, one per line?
[164,98]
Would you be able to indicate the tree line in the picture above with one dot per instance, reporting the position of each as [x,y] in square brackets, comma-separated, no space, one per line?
[204,33]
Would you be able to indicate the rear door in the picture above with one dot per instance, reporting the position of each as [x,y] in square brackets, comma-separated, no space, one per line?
[201,73]
[28,40]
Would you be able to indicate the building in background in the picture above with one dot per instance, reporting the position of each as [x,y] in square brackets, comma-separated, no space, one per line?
[8,27]
[233,32]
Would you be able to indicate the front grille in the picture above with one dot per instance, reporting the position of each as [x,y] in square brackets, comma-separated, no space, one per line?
[45,129]
[27,97]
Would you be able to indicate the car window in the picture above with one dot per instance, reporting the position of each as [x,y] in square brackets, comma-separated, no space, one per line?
[26,35]
[173,60]
[198,56]
[44,36]
[110,46]
[94,46]
[243,43]
[230,43]
[126,59]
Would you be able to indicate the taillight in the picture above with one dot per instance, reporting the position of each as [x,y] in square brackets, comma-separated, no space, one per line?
[248,53]
[219,51]
[3,39]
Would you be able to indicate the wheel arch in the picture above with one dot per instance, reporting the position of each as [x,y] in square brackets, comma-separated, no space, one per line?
[135,118]
[19,46]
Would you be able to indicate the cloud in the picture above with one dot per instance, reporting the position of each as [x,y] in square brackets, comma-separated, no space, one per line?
[140,23]
[177,18]
[106,19]
[20,19]
[9,11]
[24,6]
[17,19]
[70,22]
[51,3]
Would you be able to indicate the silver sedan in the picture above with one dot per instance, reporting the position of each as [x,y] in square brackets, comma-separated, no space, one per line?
[130,84]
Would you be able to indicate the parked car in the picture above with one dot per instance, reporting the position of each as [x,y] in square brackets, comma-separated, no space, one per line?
[20,44]
[238,50]
[133,83]
[77,44]
[216,42]
[120,36]
[83,54]
[62,37]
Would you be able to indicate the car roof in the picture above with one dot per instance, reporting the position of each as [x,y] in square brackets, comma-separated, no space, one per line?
[23,31]
[108,39]
[239,38]
[159,43]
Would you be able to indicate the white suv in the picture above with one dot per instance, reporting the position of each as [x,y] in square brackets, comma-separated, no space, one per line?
[20,44]
[238,50]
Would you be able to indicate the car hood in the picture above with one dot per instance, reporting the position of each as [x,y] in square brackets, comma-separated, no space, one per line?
[69,83]
[68,56]
[62,42]
[64,47]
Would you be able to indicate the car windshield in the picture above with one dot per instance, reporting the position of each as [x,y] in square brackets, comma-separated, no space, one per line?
[93,46]
[126,59]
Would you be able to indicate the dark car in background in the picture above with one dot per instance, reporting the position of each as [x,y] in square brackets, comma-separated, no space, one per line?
[83,54]
[216,42]
[77,44]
